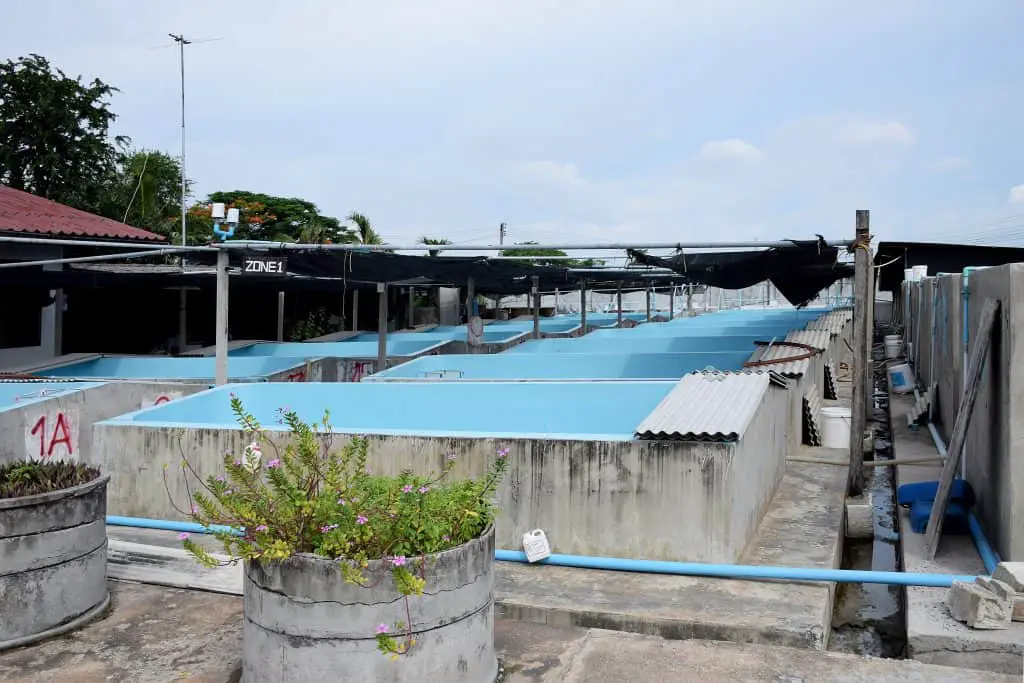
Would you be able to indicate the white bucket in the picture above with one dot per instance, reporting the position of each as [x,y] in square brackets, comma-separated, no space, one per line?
[836,423]
[920,272]
[901,379]
[892,347]
[908,274]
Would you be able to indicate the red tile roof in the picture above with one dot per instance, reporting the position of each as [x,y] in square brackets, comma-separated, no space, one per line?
[21,212]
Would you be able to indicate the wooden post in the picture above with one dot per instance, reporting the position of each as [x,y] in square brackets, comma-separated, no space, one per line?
[221,322]
[535,305]
[933,534]
[618,303]
[382,327]
[280,316]
[861,352]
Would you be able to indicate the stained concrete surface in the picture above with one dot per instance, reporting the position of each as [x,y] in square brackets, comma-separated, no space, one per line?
[933,636]
[802,528]
[155,635]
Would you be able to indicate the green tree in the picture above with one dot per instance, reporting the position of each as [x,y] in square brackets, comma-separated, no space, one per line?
[146,193]
[281,219]
[434,241]
[54,133]
[544,257]
[364,232]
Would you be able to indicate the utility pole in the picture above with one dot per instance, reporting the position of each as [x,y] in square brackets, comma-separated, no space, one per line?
[861,362]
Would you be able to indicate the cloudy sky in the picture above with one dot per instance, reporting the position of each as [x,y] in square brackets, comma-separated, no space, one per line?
[577,120]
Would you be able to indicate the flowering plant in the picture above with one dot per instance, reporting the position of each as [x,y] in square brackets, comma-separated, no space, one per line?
[311,498]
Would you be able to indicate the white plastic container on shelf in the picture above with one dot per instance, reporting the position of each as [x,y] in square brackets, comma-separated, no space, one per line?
[893,345]
[920,272]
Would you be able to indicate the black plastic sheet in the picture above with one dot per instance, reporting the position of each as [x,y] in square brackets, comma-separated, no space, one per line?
[940,258]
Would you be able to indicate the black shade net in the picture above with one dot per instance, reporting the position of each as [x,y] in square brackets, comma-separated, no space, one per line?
[894,257]
[799,271]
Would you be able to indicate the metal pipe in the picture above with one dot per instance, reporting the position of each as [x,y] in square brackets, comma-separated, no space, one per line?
[101,257]
[382,327]
[614,246]
[725,571]
[112,244]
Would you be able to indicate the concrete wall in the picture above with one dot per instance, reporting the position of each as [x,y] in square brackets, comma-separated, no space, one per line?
[697,502]
[63,424]
[994,451]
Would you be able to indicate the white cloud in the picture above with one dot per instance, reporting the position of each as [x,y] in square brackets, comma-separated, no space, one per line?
[734,148]
[1017,194]
[892,132]
[553,173]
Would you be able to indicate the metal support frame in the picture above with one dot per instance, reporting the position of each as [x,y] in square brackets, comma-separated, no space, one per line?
[618,302]
[382,327]
[221,324]
[583,305]
[614,246]
[535,305]
[672,303]
[647,292]
[355,310]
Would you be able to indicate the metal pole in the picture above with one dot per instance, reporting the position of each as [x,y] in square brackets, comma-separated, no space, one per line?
[97,259]
[221,331]
[672,302]
[535,301]
[618,302]
[648,293]
[97,243]
[382,327]
[861,360]
[615,246]
[412,307]
[470,311]
[182,42]
[583,305]
[355,310]
[280,316]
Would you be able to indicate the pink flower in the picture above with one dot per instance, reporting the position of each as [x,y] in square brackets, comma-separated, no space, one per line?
[328,527]
[228,492]
[238,462]
[261,527]
[195,509]
[398,561]
[274,463]
[361,520]
[446,538]
[502,452]
[183,535]
[407,488]
[382,629]
[341,501]
[424,489]
[451,456]
[220,477]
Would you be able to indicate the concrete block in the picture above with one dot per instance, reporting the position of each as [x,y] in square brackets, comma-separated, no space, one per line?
[1011,573]
[1000,589]
[978,607]
[1018,607]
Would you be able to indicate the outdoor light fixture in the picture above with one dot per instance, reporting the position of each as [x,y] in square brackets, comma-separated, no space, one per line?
[217,213]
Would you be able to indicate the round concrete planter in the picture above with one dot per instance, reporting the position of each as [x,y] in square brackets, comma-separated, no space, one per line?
[304,622]
[53,562]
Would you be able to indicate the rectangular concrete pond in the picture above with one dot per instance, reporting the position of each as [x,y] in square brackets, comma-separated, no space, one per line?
[562,366]
[53,420]
[191,370]
[348,361]
[577,471]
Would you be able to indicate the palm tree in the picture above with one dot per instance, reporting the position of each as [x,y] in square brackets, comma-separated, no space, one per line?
[432,241]
[365,234]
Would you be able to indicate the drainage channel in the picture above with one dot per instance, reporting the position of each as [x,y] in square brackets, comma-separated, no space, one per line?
[869,619]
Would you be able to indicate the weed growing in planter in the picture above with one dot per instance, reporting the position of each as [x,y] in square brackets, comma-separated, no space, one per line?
[32,477]
[311,498]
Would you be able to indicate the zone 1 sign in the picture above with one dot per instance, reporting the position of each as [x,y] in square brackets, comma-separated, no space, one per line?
[265,265]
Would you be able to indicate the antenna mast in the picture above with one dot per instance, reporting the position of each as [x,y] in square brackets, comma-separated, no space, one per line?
[182,42]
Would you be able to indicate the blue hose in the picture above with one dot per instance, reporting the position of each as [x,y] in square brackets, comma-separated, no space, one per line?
[724,571]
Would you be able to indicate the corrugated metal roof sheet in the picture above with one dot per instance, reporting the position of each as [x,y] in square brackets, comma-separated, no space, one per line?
[832,322]
[22,212]
[707,407]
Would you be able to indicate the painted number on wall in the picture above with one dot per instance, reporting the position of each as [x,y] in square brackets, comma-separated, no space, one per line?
[52,435]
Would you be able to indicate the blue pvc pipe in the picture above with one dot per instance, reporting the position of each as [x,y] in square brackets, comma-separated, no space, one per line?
[724,571]
[988,554]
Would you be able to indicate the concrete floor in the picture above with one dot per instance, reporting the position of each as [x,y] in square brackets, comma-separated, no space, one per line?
[933,636]
[155,634]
